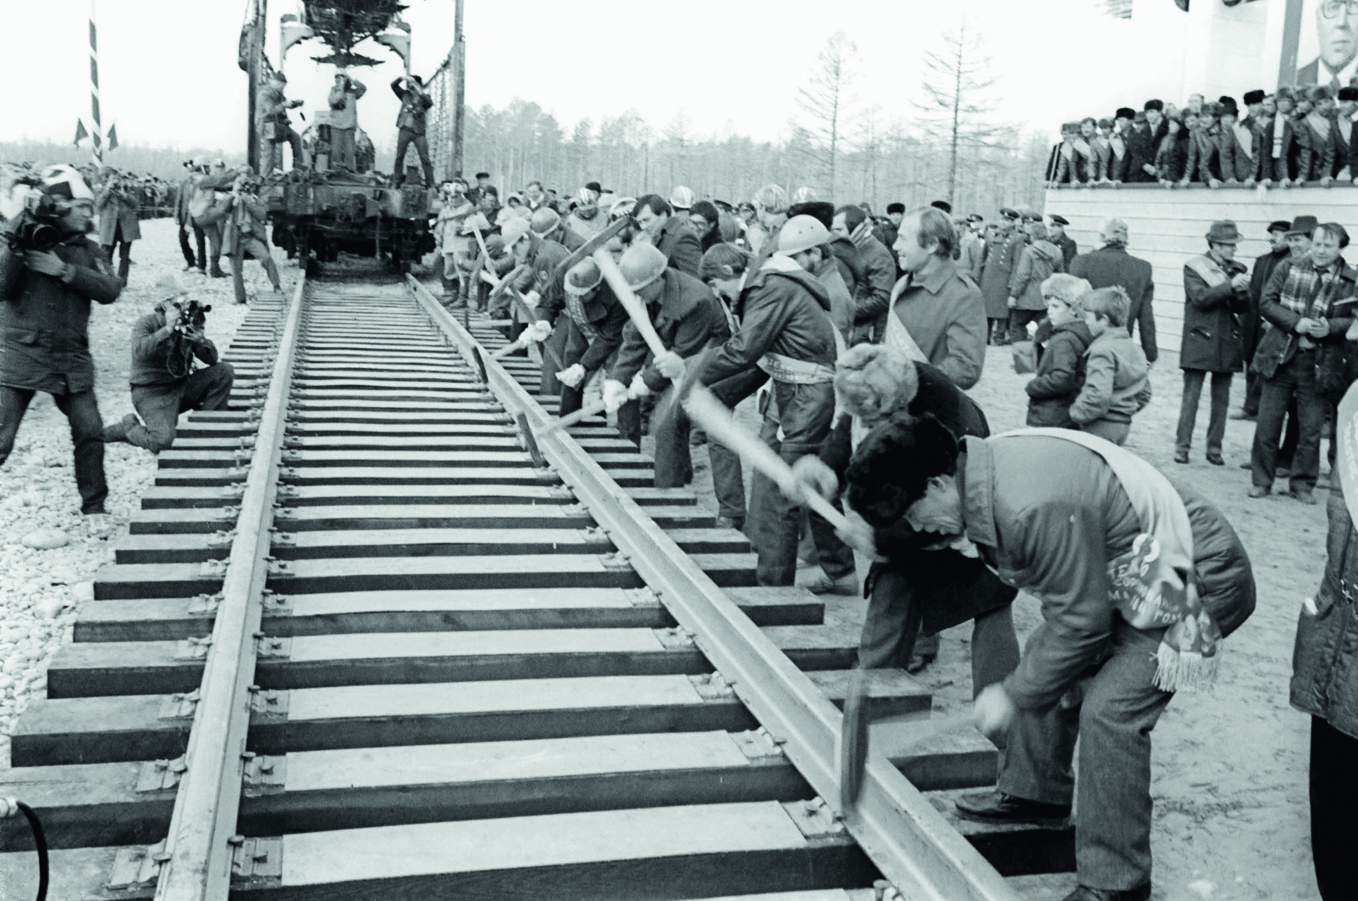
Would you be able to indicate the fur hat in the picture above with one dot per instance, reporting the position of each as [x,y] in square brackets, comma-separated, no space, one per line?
[874,381]
[1125,112]
[1157,105]
[1253,97]
[892,467]
[1348,93]
[822,210]
[896,207]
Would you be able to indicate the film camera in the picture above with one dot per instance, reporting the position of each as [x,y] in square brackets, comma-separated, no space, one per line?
[192,315]
[38,227]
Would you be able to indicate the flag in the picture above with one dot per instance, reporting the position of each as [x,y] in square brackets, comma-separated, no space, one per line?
[112,138]
[80,132]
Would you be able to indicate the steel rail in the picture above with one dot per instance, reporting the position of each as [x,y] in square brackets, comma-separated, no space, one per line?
[909,841]
[196,863]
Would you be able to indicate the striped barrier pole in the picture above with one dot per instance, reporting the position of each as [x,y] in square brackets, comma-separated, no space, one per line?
[98,133]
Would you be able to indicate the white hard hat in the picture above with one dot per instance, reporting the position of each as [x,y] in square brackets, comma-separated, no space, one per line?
[802,233]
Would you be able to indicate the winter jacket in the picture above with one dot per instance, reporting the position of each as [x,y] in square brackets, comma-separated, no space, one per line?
[1060,375]
[414,105]
[1116,380]
[114,212]
[847,261]
[680,246]
[1266,166]
[1142,145]
[1211,339]
[1279,344]
[245,220]
[1113,265]
[605,315]
[1202,164]
[972,258]
[841,299]
[945,315]
[452,218]
[783,310]
[1001,257]
[1234,146]
[1252,325]
[874,290]
[1169,158]
[587,228]
[1038,261]
[1325,655]
[1069,250]
[44,321]
[161,360]
[687,317]
[344,104]
[1316,140]
[1048,515]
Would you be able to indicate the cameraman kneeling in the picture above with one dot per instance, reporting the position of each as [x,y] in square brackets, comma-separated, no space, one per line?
[164,382]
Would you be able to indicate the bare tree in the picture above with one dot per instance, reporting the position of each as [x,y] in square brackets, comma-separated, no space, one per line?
[826,100]
[957,108]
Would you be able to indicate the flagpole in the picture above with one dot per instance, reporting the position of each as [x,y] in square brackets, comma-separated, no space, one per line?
[97,134]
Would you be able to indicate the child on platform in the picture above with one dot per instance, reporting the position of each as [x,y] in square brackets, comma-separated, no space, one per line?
[1116,372]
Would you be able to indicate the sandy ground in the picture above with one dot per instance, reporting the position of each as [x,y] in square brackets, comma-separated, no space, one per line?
[1230,767]
[1229,780]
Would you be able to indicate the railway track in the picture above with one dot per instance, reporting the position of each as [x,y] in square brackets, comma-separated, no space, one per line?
[377,633]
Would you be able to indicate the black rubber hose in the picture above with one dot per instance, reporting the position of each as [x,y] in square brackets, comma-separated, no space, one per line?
[39,839]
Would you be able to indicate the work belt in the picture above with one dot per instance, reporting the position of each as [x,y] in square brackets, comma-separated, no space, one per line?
[795,372]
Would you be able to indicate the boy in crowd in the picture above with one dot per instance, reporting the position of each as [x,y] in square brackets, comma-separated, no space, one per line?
[1063,336]
[1116,372]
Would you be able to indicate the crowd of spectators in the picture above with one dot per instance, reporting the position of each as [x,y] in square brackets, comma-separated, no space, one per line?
[1289,137]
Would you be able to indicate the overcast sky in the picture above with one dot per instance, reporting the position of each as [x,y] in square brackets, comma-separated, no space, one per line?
[168,72]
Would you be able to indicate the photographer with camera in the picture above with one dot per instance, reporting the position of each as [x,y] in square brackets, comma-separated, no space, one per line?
[415,102]
[246,233]
[49,273]
[117,202]
[164,383]
[344,119]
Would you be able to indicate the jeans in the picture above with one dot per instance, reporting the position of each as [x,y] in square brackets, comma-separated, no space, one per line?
[342,148]
[159,406]
[260,251]
[798,428]
[87,433]
[1109,430]
[1113,721]
[895,613]
[1294,379]
[1188,409]
[1334,791]
[404,139]
[201,237]
[273,152]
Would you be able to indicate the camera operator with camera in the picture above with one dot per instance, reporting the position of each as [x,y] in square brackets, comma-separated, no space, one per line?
[49,272]
[271,111]
[117,202]
[246,233]
[343,98]
[165,343]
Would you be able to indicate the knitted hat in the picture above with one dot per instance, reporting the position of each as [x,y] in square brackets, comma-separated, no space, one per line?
[583,277]
[642,264]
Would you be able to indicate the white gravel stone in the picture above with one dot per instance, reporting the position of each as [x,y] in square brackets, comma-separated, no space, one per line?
[46,539]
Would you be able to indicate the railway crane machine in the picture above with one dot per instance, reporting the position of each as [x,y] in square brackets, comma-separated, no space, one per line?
[326,209]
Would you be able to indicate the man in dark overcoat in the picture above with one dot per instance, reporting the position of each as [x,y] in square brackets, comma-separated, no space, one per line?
[1112,265]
